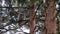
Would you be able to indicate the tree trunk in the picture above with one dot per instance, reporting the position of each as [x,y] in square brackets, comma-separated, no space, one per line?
[32,18]
[50,21]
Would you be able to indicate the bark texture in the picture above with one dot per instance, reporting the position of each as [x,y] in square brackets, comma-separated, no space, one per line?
[32,18]
[50,21]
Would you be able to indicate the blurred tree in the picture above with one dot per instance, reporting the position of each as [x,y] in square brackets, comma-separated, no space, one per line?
[50,21]
[32,16]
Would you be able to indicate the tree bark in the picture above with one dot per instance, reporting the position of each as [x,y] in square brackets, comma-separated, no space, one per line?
[50,21]
[32,18]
